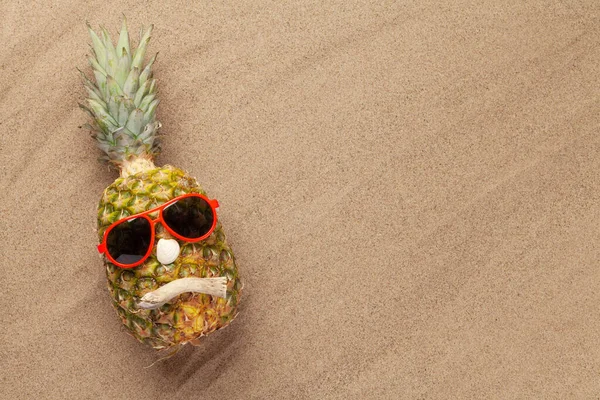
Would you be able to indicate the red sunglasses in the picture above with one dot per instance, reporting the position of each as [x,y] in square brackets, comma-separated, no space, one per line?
[128,242]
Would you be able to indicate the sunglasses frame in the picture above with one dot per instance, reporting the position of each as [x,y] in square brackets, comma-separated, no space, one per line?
[214,204]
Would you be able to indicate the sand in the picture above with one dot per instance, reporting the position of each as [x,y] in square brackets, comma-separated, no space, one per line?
[411,190]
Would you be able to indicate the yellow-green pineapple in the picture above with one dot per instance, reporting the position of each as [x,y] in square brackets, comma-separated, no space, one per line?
[122,102]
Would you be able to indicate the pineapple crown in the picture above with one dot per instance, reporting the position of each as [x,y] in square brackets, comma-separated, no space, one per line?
[122,100]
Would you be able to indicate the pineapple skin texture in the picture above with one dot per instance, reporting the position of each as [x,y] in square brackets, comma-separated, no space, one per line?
[189,315]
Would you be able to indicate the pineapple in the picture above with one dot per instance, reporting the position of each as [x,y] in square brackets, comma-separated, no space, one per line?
[122,102]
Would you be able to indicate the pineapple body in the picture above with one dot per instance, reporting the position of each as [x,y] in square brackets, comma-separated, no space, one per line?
[122,102]
[189,315]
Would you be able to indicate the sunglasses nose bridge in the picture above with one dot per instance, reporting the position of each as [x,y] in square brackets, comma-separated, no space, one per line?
[159,221]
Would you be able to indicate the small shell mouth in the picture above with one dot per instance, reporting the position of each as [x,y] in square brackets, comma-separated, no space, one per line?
[212,286]
[167,251]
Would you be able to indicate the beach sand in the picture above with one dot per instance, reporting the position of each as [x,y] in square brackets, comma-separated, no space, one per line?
[411,191]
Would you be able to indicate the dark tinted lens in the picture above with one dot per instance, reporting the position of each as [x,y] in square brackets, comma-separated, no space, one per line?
[129,241]
[190,217]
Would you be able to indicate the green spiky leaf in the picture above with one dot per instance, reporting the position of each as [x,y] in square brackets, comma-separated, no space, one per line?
[131,84]
[146,102]
[123,43]
[135,123]
[140,94]
[98,46]
[140,52]
[147,72]
[149,115]
[122,70]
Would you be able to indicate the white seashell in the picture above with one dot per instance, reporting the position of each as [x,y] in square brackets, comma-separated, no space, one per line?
[167,251]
